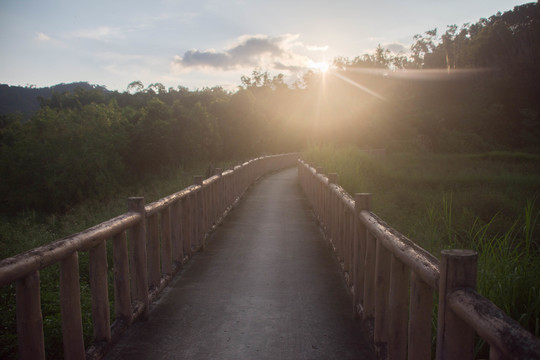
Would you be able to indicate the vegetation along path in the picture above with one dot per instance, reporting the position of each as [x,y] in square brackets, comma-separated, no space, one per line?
[267,286]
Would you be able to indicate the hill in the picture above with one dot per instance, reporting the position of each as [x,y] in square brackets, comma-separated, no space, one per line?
[26,100]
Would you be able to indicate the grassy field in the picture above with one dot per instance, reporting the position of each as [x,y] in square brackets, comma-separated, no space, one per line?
[486,202]
[29,230]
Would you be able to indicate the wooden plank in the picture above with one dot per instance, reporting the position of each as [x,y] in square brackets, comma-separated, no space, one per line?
[29,318]
[413,256]
[176,235]
[122,295]
[137,250]
[166,245]
[362,202]
[398,310]
[186,227]
[420,318]
[455,338]
[152,248]
[70,308]
[100,293]
[382,285]
[369,278]
[506,337]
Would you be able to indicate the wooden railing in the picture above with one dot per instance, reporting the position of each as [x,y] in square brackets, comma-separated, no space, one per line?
[393,282]
[150,243]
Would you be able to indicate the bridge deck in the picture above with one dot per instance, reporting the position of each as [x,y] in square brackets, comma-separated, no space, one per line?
[266,287]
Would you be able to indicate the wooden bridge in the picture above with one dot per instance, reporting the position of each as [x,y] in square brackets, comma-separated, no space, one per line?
[270,283]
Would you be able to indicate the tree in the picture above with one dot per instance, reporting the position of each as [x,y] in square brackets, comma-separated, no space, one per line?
[135,87]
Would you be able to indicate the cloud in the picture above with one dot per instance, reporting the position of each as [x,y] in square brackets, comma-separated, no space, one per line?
[42,37]
[102,33]
[247,51]
[47,40]
[397,48]
[317,48]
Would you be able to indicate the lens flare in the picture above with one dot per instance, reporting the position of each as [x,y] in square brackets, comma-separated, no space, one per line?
[359,86]
[321,66]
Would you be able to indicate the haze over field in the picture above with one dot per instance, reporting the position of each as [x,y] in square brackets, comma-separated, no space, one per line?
[207,43]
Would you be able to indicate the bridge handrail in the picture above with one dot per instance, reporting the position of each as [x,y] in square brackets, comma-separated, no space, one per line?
[383,269]
[162,235]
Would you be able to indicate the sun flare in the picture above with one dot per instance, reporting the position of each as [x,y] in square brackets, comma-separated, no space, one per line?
[321,66]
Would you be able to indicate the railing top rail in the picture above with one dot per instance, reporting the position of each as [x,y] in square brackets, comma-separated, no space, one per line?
[166,201]
[344,195]
[227,172]
[423,263]
[492,324]
[20,266]
[211,179]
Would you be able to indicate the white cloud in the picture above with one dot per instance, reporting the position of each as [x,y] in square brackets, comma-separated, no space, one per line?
[317,48]
[42,37]
[102,33]
[248,51]
[49,40]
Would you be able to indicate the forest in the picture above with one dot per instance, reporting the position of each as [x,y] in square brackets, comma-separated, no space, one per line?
[459,117]
[472,88]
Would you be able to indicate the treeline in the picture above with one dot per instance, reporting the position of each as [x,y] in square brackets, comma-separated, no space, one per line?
[87,143]
[477,88]
[471,89]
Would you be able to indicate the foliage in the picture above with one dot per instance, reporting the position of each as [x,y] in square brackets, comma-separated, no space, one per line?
[86,143]
[486,202]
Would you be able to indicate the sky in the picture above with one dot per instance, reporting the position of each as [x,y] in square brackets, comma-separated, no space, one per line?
[206,43]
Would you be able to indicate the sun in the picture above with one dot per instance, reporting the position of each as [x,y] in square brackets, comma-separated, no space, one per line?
[321,66]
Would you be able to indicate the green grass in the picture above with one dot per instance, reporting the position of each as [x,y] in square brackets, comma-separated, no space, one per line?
[485,202]
[28,230]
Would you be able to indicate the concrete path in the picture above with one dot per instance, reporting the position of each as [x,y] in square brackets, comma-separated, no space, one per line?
[266,287]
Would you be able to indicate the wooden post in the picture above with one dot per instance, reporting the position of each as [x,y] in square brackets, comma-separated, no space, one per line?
[186,236]
[176,232]
[198,211]
[122,296]
[166,245]
[382,285]
[70,308]
[318,206]
[137,244]
[351,241]
[455,339]
[369,277]
[361,202]
[398,310]
[154,274]
[346,240]
[332,179]
[193,220]
[29,318]
[420,317]
[100,293]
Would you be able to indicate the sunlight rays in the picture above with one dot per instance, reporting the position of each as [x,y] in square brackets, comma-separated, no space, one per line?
[422,74]
[359,86]
[321,66]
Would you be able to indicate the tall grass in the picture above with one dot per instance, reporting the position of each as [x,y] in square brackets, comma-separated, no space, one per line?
[30,229]
[485,202]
